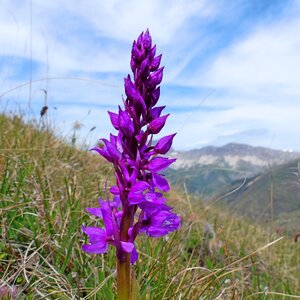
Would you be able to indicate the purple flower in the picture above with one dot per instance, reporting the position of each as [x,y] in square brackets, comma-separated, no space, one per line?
[98,240]
[160,223]
[137,204]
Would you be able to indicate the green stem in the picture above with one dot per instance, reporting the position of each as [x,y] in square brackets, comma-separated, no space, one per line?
[123,278]
[123,263]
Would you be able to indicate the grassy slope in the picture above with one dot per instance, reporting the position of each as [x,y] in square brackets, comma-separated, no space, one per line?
[45,186]
[272,195]
[204,181]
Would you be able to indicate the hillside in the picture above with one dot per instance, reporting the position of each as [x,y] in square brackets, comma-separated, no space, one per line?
[204,181]
[45,186]
[268,189]
[273,196]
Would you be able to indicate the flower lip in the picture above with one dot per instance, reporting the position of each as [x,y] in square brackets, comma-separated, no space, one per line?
[98,240]
[160,223]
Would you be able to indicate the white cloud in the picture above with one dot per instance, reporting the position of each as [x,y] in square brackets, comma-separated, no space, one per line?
[267,59]
[125,19]
[118,21]
[258,124]
[256,78]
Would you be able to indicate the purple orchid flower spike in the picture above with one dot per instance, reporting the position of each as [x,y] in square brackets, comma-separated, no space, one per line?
[137,205]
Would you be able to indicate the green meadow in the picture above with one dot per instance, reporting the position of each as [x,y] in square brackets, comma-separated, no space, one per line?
[45,185]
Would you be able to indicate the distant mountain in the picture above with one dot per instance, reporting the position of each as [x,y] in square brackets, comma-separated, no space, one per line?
[235,156]
[209,170]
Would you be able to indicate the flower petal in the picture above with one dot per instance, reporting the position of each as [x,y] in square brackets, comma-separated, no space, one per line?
[136,195]
[112,150]
[155,96]
[155,63]
[125,123]
[133,256]
[127,246]
[114,119]
[156,231]
[117,202]
[119,214]
[96,234]
[139,187]
[147,40]
[156,125]
[96,211]
[152,52]
[95,248]
[143,70]
[160,222]
[114,190]
[135,198]
[154,198]
[160,182]
[154,79]
[164,144]
[103,152]
[107,217]
[156,111]
[160,163]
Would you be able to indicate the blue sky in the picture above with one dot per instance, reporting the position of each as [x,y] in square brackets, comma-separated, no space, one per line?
[232,68]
